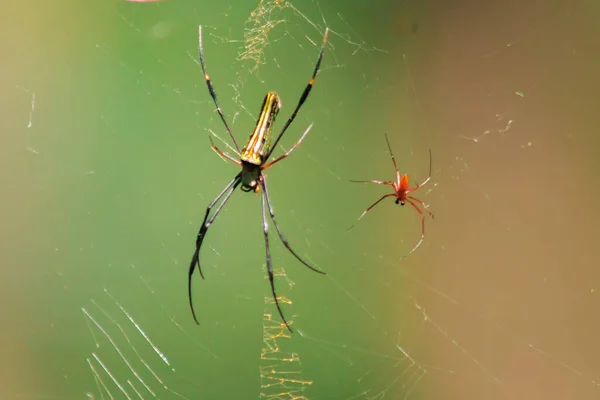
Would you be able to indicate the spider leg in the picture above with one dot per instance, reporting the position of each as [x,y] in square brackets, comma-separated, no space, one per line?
[421,202]
[390,183]
[425,181]
[418,186]
[371,206]
[269,263]
[211,89]
[304,94]
[227,192]
[222,154]
[393,159]
[422,228]
[287,153]
[263,183]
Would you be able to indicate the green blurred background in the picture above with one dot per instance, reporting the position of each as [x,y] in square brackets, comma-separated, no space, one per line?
[106,171]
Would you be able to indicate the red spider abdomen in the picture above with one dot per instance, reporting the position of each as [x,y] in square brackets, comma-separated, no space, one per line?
[403,183]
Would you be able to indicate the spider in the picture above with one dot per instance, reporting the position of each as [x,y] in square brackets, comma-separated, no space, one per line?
[254,160]
[402,195]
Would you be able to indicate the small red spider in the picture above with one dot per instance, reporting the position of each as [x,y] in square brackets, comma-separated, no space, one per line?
[401,193]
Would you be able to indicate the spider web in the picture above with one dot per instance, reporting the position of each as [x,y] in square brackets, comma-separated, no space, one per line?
[107,172]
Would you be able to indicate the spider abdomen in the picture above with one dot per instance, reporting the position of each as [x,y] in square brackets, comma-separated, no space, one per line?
[259,142]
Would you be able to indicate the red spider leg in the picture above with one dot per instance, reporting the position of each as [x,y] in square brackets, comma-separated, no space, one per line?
[393,159]
[422,228]
[373,205]
[421,202]
[390,183]
[418,186]
[425,181]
